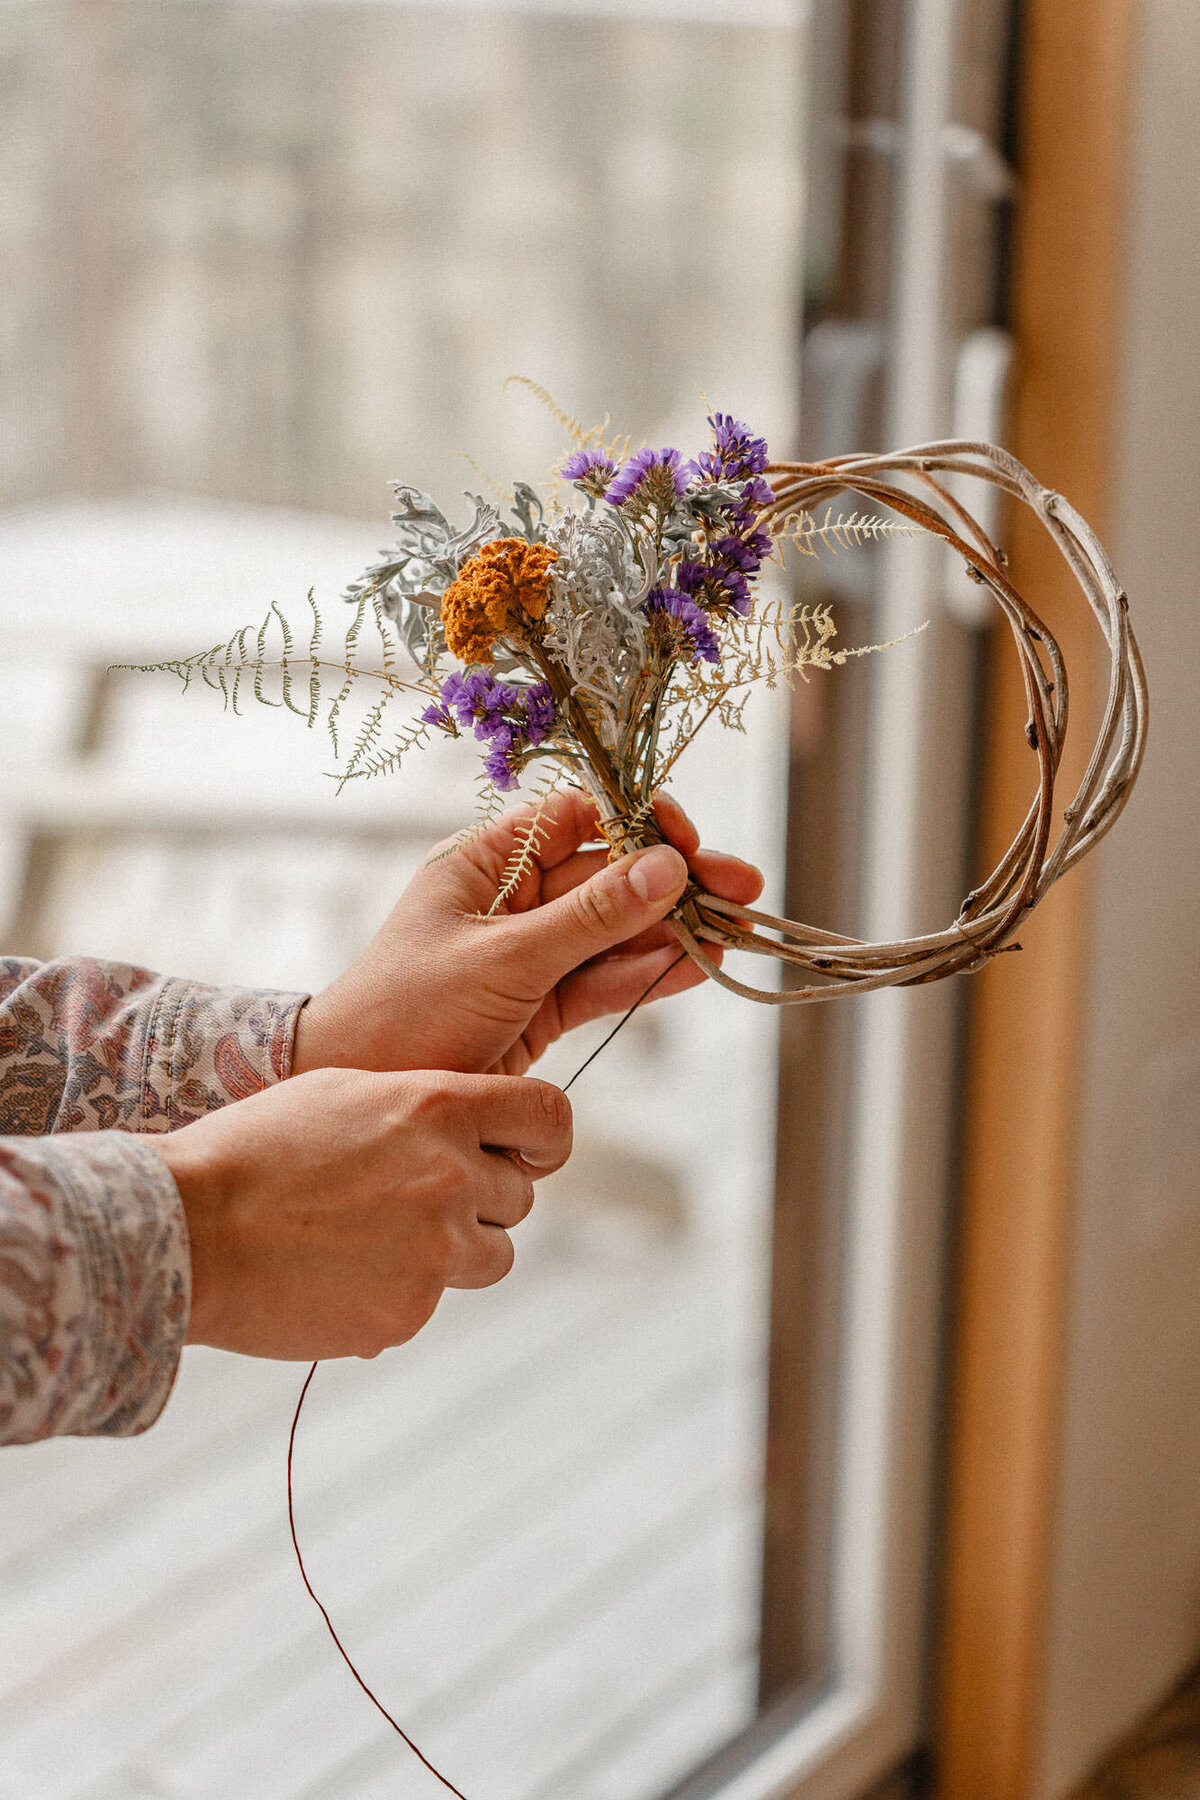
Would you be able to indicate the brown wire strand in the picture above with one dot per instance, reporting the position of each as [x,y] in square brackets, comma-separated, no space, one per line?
[320,1605]
[376,1702]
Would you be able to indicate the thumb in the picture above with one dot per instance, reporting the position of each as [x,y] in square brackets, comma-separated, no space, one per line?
[613,905]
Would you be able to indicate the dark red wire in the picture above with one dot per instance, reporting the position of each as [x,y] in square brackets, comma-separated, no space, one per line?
[312,1594]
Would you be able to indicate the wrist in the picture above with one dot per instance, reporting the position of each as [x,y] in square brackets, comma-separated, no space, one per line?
[349,1026]
[314,1045]
[202,1184]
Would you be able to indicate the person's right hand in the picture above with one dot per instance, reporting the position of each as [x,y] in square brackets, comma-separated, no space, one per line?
[328,1214]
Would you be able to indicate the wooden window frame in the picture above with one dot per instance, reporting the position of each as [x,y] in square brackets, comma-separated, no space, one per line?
[1022,1113]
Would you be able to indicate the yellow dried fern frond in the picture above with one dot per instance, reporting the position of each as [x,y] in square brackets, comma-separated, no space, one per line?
[489,806]
[496,488]
[578,434]
[528,838]
[804,532]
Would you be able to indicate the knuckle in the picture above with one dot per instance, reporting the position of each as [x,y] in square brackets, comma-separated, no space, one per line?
[444,1249]
[556,1106]
[599,906]
[449,1174]
[502,1261]
[433,1093]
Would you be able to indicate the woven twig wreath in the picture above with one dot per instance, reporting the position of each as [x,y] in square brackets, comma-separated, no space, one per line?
[991,913]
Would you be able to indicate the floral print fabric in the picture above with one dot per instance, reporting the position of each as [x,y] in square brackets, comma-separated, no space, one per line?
[94,1268]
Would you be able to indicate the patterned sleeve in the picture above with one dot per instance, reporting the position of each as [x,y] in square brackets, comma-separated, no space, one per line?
[94,1285]
[96,1046]
[94,1264]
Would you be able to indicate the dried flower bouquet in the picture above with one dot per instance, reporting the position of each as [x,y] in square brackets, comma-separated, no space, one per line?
[588,641]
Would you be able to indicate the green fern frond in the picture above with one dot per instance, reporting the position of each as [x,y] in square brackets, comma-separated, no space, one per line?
[369,760]
[352,673]
[775,645]
[314,666]
[367,739]
[246,658]
[259,663]
[387,648]
[307,713]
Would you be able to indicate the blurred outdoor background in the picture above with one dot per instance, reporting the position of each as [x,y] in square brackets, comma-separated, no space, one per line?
[840,1422]
[259,260]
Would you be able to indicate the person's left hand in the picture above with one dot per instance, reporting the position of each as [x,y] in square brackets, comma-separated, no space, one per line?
[439,987]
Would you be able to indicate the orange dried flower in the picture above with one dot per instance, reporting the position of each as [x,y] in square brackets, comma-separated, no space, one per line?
[505,580]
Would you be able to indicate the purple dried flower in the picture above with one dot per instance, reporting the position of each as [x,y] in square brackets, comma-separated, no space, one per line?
[478,698]
[736,452]
[719,581]
[540,711]
[656,477]
[463,693]
[738,553]
[439,714]
[509,719]
[591,469]
[758,492]
[498,763]
[491,716]
[735,590]
[696,629]
[692,577]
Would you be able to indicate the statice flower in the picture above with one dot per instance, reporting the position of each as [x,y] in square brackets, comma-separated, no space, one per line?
[719,581]
[738,458]
[502,758]
[478,698]
[757,492]
[657,478]
[736,452]
[540,711]
[439,714]
[590,470]
[508,718]
[692,620]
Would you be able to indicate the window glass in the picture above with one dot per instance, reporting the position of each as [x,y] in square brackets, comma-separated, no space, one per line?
[258,260]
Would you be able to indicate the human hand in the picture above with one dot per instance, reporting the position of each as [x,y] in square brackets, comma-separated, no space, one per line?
[328,1214]
[441,987]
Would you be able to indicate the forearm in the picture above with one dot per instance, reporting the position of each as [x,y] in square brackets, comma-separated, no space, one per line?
[94,1286]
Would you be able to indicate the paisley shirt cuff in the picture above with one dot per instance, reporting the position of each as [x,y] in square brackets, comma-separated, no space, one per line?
[101,1046]
[94,1285]
[208,1046]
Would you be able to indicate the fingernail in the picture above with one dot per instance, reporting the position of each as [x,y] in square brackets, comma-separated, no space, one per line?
[658,872]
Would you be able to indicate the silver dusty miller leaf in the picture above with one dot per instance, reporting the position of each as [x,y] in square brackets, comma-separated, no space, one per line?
[410,579]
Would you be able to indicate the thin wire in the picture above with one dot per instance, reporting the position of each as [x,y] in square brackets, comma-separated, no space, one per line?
[624,1020]
[342,1651]
[312,1593]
